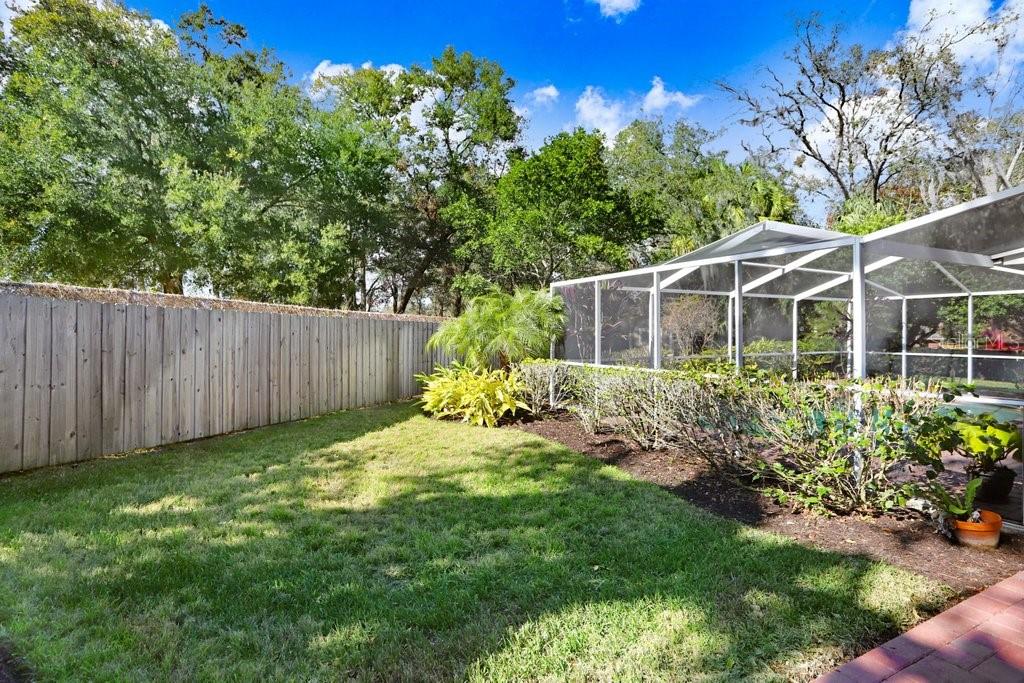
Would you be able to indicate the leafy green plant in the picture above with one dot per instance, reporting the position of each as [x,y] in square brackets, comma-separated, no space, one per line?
[500,329]
[986,441]
[478,397]
[837,443]
[956,506]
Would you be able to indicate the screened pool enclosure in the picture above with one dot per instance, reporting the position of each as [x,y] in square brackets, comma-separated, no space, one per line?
[939,296]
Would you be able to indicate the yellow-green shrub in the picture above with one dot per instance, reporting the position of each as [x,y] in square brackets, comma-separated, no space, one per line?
[479,397]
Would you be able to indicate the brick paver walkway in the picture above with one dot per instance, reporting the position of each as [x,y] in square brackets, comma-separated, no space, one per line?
[980,639]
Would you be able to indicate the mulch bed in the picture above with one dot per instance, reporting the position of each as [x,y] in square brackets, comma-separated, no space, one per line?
[12,669]
[909,542]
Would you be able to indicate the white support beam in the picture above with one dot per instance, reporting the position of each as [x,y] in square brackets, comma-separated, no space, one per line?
[950,276]
[597,322]
[796,339]
[738,331]
[654,323]
[970,338]
[842,279]
[918,252]
[858,304]
[824,271]
[788,268]
[954,295]
[903,338]
[1009,252]
[1004,269]
[676,276]
[717,292]
[799,230]
[717,260]
[882,287]
[803,269]
[728,326]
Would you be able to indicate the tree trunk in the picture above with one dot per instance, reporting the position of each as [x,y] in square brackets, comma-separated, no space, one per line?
[172,283]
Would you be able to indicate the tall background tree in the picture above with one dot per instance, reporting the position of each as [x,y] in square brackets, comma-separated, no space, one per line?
[134,156]
[695,193]
[557,214]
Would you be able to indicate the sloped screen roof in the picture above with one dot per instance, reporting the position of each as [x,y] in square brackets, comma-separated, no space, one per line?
[764,236]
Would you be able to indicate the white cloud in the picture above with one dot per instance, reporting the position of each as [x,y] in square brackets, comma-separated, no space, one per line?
[595,110]
[616,9]
[6,13]
[935,18]
[392,70]
[328,69]
[545,95]
[658,98]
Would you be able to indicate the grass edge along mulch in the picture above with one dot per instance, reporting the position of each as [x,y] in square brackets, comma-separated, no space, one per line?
[908,541]
[379,544]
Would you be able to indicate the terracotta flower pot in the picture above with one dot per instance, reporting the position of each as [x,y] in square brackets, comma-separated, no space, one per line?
[983,534]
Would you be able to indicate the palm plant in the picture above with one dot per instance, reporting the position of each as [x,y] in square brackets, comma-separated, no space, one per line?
[499,328]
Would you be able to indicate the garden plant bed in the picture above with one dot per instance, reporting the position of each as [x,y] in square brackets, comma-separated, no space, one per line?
[908,541]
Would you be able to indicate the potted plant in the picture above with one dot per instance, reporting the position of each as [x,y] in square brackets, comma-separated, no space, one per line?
[961,520]
[987,442]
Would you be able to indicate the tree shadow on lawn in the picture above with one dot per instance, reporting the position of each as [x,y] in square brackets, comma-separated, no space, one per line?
[391,547]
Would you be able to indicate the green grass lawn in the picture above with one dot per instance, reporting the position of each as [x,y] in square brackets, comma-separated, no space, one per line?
[381,544]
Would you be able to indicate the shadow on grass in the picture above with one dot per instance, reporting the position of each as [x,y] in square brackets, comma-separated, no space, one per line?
[377,544]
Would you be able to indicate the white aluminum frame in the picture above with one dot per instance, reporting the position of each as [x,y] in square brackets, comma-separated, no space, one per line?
[870,253]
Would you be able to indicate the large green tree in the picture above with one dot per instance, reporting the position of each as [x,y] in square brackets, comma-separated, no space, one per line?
[557,215]
[139,157]
[450,129]
[697,193]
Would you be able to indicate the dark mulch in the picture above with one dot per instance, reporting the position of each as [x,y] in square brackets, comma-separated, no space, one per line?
[12,669]
[911,542]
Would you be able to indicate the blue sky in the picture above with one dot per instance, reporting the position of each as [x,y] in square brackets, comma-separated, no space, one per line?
[601,56]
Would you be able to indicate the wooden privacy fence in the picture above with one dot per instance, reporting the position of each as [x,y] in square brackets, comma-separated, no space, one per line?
[87,372]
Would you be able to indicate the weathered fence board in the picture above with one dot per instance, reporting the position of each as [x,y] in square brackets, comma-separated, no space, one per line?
[134,427]
[113,322]
[63,447]
[154,374]
[82,377]
[12,378]
[36,432]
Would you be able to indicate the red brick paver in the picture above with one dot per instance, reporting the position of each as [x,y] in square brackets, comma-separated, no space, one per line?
[981,639]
